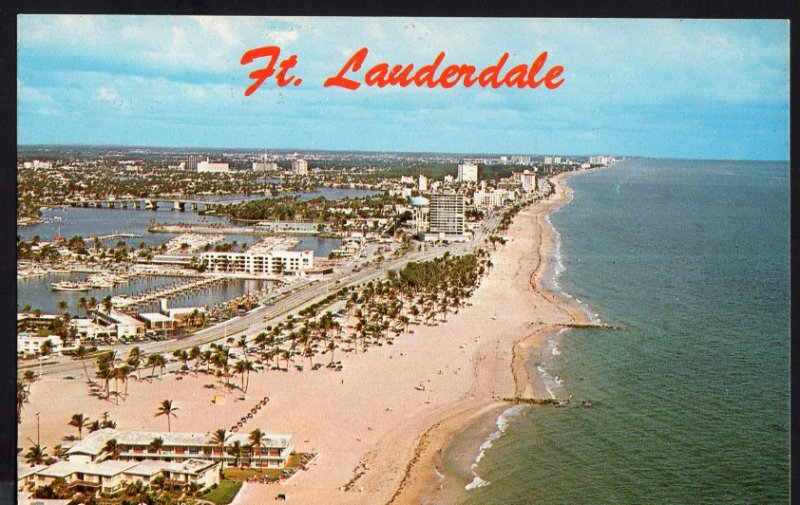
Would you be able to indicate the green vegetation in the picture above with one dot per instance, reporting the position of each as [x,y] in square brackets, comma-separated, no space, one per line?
[318,209]
[224,493]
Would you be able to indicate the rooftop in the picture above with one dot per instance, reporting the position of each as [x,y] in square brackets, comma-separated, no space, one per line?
[94,442]
[107,468]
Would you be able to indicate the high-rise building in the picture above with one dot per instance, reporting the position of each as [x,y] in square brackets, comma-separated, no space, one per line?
[467,172]
[423,183]
[446,214]
[529,181]
[191,161]
[299,166]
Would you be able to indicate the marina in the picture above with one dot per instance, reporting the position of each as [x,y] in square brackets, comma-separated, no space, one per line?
[37,292]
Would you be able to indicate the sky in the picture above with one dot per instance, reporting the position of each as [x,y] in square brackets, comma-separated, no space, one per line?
[704,89]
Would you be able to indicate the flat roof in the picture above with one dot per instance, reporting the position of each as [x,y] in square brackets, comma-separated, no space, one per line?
[94,442]
[155,317]
[108,468]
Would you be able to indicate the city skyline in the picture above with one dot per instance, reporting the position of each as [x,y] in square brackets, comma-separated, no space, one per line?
[653,88]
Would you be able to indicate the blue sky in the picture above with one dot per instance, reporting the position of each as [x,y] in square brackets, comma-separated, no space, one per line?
[662,88]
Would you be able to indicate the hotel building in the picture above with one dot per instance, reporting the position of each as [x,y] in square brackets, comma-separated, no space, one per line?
[180,447]
[467,172]
[529,181]
[265,263]
[446,217]
[112,475]
[299,167]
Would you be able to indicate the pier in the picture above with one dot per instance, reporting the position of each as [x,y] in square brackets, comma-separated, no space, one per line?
[125,302]
[113,236]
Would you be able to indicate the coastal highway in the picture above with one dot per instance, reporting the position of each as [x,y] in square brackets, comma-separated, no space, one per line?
[254,321]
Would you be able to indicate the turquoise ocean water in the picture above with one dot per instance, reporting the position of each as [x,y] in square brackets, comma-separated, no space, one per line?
[691,395]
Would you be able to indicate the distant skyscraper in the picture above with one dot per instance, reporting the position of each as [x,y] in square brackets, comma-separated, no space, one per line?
[467,172]
[191,161]
[423,183]
[299,166]
[528,180]
[447,214]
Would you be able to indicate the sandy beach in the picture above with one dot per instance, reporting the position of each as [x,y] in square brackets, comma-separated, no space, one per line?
[379,425]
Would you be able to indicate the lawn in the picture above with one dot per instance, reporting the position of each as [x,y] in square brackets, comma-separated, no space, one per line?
[225,492]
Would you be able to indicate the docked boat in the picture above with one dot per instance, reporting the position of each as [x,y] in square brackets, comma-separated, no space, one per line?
[71,286]
[100,281]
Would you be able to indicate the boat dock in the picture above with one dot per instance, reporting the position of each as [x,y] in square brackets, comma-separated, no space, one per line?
[127,302]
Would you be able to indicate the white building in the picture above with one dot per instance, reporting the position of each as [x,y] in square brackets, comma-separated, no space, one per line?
[467,172]
[599,160]
[210,167]
[299,166]
[446,217]
[125,325]
[264,166]
[28,343]
[548,160]
[111,476]
[268,263]
[181,447]
[90,330]
[422,183]
[491,199]
[529,181]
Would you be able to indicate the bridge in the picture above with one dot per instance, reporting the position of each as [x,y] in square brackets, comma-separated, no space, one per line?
[179,204]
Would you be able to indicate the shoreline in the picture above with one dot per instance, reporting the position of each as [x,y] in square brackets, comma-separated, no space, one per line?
[427,475]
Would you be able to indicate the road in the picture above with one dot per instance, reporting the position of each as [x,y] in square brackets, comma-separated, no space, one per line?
[254,321]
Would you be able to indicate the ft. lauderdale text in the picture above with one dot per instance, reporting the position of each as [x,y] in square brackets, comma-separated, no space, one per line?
[382,75]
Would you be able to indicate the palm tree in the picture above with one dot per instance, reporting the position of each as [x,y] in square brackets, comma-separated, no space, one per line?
[36,455]
[235,450]
[112,448]
[22,398]
[62,305]
[155,360]
[81,353]
[195,354]
[124,372]
[257,438]
[166,409]
[93,426]
[219,439]
[29,376]
[135,359]
[79,421]
[107,304]
[182,355]
[155,445]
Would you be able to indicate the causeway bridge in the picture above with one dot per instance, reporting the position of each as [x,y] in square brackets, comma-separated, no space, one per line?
[179,204]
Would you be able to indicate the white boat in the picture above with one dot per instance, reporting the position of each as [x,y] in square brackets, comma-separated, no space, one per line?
[70,286]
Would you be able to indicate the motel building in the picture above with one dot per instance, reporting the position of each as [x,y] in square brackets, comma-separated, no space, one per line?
[183,446]
[112,476]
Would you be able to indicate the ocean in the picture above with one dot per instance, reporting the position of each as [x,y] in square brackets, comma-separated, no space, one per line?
[690,398]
